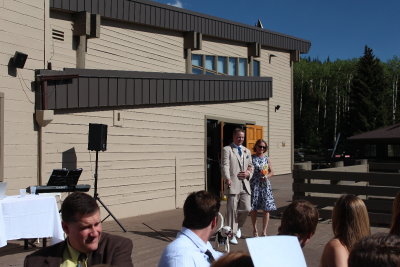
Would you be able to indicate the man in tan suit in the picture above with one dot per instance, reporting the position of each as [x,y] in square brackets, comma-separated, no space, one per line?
[237,170]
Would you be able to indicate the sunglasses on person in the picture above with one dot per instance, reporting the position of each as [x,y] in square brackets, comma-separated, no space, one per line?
[263,147]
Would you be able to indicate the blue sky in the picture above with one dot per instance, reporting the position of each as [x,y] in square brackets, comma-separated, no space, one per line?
[336,28]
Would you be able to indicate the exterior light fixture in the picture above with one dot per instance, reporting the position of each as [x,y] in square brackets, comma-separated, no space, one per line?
[270,57]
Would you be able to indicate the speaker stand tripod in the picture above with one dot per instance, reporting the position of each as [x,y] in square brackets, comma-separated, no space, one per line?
[97,198]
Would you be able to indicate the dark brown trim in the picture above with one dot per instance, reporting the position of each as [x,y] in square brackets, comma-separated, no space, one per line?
[168,17]
[88,88]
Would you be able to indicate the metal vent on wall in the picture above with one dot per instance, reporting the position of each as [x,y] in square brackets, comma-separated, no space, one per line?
[58,35]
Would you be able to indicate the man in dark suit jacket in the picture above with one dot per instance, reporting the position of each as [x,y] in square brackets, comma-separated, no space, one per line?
[85,245]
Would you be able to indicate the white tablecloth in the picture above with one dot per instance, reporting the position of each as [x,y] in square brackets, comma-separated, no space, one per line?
[31,216]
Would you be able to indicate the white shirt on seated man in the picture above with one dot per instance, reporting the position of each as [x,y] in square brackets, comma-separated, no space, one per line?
[191,247]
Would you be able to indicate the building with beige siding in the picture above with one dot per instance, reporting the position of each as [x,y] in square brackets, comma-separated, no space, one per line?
[169,83]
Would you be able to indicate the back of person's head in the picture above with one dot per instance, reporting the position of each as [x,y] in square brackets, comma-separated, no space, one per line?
[234,259]
[350,221]
[376,251]
[395,226]
[77,205]
[299,219]
[200,209]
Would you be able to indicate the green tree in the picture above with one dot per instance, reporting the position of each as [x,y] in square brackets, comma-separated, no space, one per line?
[368,95]
[392,74]
[321,100]
[343,96]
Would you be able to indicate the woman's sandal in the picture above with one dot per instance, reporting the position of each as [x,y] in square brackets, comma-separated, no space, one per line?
[255,233]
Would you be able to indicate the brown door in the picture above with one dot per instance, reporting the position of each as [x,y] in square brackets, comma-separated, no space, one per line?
[253,133]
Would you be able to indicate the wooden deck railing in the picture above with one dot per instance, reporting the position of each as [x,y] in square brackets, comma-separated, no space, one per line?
[323,188]
[384,167]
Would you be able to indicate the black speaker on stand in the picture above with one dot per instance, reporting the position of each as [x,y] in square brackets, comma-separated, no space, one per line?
[98,142]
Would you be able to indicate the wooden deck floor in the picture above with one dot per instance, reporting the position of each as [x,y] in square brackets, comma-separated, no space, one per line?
[151,233]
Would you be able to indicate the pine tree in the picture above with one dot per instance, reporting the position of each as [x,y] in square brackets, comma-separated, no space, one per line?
[367,97]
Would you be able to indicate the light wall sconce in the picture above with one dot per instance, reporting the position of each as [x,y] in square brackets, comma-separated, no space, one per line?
[19,59]
[277,107]
[270,57]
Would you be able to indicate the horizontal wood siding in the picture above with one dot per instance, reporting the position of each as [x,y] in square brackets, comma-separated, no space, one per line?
[132,47]
[211,46]
[21,29]
[155,149]
[150,13]
[280,123]
[62,55]
[279,131]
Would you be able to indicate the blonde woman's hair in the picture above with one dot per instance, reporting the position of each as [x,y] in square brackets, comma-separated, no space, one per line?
[395,225]
[350,221]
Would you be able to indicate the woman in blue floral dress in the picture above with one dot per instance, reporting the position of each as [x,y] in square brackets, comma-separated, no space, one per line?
[261,192]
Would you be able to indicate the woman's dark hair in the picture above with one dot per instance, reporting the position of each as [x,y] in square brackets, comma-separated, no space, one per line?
[200,209]
[76,205]
[375,251]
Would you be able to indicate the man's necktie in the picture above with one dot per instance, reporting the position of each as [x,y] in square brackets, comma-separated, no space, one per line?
[210,256]
[82,260]
[240,151]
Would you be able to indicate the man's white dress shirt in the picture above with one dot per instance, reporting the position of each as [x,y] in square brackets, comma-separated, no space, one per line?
[187,250]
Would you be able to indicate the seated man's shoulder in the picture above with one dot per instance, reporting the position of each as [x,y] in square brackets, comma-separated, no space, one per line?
[180,244]
[179,253]
[115,239]
[50,250]
[38,257]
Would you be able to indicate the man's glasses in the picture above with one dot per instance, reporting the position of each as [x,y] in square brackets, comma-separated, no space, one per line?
[263,147]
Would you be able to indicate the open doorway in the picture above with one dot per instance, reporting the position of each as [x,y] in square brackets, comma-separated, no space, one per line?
[213,156]
[219,134]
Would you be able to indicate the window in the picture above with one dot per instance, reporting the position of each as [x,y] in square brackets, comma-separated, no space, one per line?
[393,151]
[232,66]
[222,66]
[210,65]
[219,65]
[197,64]
[256,68]
[242,67]
[370,151]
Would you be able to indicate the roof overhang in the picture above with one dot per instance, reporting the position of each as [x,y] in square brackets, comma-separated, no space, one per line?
[386,135]
[89,88]
[163,16]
